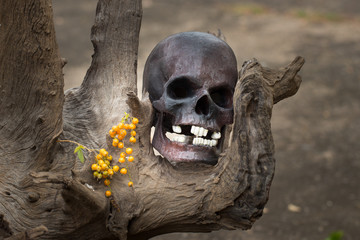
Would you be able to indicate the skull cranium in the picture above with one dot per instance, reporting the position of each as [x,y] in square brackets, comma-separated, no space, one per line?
[191,78]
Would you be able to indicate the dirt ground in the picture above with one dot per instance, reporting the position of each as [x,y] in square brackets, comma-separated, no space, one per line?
[317,132]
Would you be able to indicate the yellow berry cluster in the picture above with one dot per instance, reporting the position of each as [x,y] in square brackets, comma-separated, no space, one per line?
[102,168]
[118,132]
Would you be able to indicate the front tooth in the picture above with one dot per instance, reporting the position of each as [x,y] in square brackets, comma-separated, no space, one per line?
[201,131]
[205,132]
[194,141]
[216,135]
[176,129]
[196,131]
[192,129]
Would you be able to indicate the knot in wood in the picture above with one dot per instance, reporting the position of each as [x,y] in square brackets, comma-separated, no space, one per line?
[33,197]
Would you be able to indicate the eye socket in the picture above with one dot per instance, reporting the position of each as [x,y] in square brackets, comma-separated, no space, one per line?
[180,88]
[222,97]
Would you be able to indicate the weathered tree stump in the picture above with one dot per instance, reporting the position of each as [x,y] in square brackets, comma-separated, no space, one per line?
[44,189]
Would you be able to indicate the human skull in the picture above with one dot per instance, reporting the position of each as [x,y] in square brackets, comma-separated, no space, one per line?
[190,78]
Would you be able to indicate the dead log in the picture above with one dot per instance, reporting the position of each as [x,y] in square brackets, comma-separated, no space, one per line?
[46,192]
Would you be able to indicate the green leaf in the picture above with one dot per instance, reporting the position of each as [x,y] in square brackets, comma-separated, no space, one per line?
[81,155]
[335,235]
[79,152]
[79,147]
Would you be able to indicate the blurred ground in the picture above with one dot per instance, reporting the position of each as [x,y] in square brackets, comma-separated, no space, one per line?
[317,132]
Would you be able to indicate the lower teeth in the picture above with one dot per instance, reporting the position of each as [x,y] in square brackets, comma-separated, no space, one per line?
[204,142]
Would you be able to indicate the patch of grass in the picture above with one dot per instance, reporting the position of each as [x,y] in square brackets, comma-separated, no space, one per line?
[301,13]
[332,17]
[314,16]
[338,235]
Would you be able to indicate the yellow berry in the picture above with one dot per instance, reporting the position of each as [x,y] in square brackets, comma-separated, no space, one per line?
[115,128]
[123,171]
[133,133]
[123,154]
[132,126]
[122,133]
[112,133]
[105,174]
[116,168]
[131,158]
[103,152]
[107,162]
[129,151]
[121,125]
[115,142]
[126,126]
[104,167]
[109,158]
[95,174]
[99,157]
[107,182]
[135,121]
[108,193]
[132,140]
[110,172]
[94,167]
[101,162]
[120,145]
[121,160]
[130,184]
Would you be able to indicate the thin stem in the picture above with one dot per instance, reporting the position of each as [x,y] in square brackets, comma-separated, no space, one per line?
[86,148]
[127,167]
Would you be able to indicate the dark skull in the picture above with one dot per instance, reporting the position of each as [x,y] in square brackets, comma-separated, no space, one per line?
[191,78]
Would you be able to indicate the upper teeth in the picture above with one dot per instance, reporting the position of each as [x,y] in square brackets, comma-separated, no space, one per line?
[199,131]
[216,135]
[176,129]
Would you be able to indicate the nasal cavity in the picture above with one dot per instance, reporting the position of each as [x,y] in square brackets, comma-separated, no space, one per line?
[202,106]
